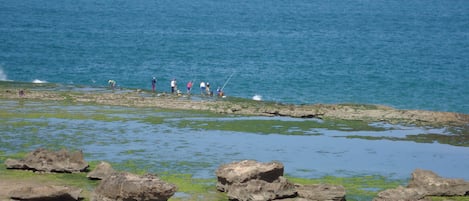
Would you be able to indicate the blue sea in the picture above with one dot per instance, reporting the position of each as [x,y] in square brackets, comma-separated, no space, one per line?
[408,54]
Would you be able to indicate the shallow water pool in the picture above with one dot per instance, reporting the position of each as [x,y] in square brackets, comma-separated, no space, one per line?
[154,140]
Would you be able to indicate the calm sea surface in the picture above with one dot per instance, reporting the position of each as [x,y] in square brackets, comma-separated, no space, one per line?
[409,54]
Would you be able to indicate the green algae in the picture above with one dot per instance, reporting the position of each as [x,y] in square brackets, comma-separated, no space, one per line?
[357,187]
[452,198]
[153,120]
[77,180]
[189,188]
[61,114]
[194,188]
[361,106]
[461,140]
[266,126]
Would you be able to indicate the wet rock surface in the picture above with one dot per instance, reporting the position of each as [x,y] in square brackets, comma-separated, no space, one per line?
[50,161]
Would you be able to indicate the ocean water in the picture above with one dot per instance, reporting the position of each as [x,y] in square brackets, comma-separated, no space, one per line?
[408,54]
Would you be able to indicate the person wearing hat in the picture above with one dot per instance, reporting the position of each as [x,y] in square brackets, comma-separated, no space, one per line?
[208,91]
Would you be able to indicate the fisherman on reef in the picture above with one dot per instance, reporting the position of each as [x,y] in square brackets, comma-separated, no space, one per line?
[112,84]
[189,87]
[220,92]
[153,84]
[173,85]
[202,87]
[207,89]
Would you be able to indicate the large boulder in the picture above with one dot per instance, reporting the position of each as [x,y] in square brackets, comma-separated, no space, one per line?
[102,170]
[262,190]
[243,171]
[124,186]
[250,180]
[401,194]
[46,193]
[49,161]
[437,186]
[425,183]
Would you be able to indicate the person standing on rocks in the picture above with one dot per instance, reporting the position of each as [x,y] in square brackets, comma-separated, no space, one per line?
[189,87]
[208,91]
[153,84]
[173,85]
[202,87]
[112,84]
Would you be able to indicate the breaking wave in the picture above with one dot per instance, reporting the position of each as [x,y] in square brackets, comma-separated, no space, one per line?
[37,81]
[257,97]
[3,76]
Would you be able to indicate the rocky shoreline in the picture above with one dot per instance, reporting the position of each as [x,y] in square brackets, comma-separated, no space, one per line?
[246,180]
[139,98]
[234,190]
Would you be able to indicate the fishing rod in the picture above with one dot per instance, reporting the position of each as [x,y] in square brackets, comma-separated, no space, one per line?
[229,78]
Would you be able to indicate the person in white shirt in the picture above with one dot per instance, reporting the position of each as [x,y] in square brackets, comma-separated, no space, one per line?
[202,87]
[173,86]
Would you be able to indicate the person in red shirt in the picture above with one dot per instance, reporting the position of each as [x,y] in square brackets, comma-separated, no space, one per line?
[189,87]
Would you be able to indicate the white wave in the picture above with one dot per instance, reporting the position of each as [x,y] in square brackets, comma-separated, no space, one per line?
[37,81]
[3,76]
[257,97]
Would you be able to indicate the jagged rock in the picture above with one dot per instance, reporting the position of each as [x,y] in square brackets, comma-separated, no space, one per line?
[123,186]
[250,180]
[401,194]
[243,171]
[102,170]
[14,164]
[425,183]
[46,193]
[437,186]
[49,161]
[321,192]
[260,190]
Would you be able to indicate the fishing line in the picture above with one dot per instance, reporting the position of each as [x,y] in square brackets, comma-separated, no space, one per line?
[229,78]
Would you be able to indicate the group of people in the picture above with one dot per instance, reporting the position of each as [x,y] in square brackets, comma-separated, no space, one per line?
[204,87]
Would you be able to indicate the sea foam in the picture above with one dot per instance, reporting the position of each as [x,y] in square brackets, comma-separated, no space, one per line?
[257,97]
[37,81]
[3,76]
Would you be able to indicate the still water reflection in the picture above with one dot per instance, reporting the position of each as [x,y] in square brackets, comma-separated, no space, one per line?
[132,138]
